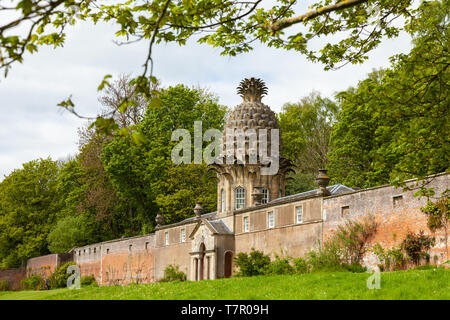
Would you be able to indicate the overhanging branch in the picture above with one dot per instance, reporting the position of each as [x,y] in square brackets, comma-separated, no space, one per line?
[284,23]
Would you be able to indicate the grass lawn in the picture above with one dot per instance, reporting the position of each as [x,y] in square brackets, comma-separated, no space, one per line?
[411,284]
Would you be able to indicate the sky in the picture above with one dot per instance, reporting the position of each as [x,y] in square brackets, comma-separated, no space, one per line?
[32,126]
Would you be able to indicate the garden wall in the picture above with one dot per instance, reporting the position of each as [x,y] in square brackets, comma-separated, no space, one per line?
[397,212]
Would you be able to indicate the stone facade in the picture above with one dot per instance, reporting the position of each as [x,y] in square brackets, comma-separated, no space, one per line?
[253,213]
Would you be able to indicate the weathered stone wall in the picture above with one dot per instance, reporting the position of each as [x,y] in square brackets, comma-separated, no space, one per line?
[175,252]
[396,212]
[14,277]
[122,261]
[287,236]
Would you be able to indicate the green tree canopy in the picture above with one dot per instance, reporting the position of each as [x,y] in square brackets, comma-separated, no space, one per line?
[305,132]
[28,208]
[396,124]
[144,174]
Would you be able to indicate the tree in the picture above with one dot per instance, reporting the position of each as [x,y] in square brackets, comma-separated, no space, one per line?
[353,143]
[305,131]
[144,174]
[395,125]
[71,231]
[28,207]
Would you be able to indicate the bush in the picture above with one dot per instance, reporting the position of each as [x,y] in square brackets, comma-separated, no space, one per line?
[354,267]
[252,264]
[392,259]
[4,285]
[352,237]
[88,280]
[279,266]
[172,273]
[428,267]
[34,282]
[417,245]
[58,279]
[301,266]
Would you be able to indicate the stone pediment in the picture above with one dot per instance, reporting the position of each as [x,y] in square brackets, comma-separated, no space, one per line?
[215,227]
[205,233]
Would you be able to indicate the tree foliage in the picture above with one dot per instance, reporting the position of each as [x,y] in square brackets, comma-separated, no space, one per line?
[28,209]
[232,26]
[395,125]
[305,131]
[144,174]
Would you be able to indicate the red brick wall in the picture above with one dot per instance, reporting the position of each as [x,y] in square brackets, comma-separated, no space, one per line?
[121,261]
[14,277]
[43,265]
[395,220]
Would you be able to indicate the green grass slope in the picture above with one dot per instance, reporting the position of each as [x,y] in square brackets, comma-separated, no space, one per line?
[411,284]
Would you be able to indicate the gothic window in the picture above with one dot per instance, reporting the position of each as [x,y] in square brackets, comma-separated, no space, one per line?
[166,238]
[183,235]
[240,198]
[265,198]
[222,200]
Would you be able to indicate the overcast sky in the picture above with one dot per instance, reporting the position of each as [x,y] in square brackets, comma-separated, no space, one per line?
[32,126]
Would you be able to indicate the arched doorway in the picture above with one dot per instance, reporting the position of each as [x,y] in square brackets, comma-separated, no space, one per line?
[228,264]
[202,261]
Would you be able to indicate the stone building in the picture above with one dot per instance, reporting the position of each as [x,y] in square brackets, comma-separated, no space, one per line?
[253,212]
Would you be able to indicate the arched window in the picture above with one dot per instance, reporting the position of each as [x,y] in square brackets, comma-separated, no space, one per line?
[222,200]
[240,198]
[265,198]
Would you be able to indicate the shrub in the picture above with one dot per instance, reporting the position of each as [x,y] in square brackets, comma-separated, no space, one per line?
[301,266]
[172,273]
[34,282]
[354,267]
[279,266]
[88,280]
[417,245]
[392,259]
[58,279]
[252,264]
[4,285]
[352,237]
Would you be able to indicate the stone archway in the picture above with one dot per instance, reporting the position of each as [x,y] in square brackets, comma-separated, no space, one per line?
[228,263]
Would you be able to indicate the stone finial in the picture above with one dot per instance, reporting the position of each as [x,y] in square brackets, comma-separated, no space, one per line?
[257,196]
[252,89]
[198,210]
[322,180]
[159,219]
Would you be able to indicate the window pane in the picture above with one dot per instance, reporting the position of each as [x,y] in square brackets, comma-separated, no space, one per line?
[246,224]
[270,220]
[299,214]
[240,198]
[265,198]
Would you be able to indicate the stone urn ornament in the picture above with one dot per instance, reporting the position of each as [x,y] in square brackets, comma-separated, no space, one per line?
[322,180]
[159,219]
[198,210]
